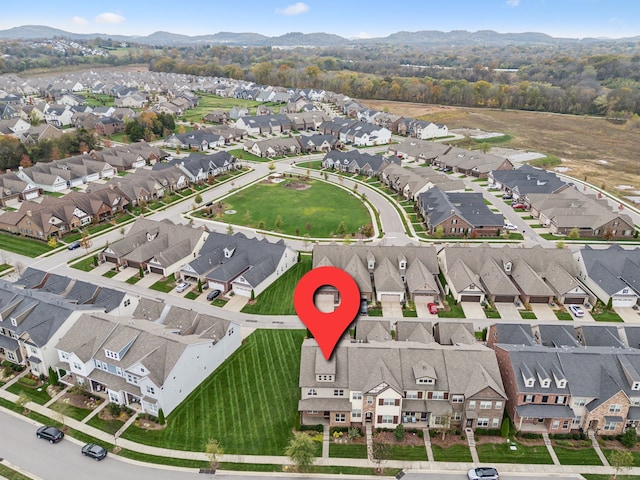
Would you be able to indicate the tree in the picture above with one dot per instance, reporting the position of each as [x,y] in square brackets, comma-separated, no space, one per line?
[629,438]
[621,461]
[229,229]
[161,419]
[399,432]
[341,230]
[198,199]
[271,166]
[439,232]
[214,451]
[261,225]
[199,286]
[53,376]
[278,222]
[301,450]
[574,234]
[18,267]
[22,401]
[140,271]
[85,241]
[379,453]
[64,410]
[52,242]
[367,230]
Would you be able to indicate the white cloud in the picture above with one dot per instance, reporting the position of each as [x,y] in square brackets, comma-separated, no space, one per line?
[79,21]
[108,17]
[363,35]
[294,9]
[513,3]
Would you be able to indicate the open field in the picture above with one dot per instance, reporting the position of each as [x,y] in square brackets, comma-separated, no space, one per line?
[209,102]
[583,143]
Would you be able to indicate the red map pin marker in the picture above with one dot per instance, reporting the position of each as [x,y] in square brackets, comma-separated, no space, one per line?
[327,328]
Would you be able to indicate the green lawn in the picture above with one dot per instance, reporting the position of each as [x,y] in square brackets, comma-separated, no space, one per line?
[4,266]
[322,207]
[408,452]
[492,313]
[11,474]
[348,450]
[527,315]
[256,388]
[165,285]
[577,456]
[23,246]
[208,102]
[110,273]
[636,455]
[606,316]
[72,411]
[86,264]
[313,164]
[456,453]
[240,154]
[38,396]
[500,453]
[277,299]
[563,315]
[109,426]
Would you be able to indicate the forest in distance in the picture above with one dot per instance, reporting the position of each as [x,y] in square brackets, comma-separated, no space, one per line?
[591,78]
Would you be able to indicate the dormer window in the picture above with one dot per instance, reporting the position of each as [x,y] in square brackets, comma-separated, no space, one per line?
[546,383]
[635,386]
[530,382]
[562,384]
[425,381]
[113,355]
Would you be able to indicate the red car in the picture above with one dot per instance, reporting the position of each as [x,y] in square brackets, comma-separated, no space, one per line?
[433,308]
[519,205]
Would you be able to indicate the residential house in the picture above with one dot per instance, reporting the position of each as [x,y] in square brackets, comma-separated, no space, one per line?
[150,366]
[198,167]
[235,263]
[354,161]
[264,124]
[157,246]
[425,130]
[196,140]
[413,149]
[384,384]
[506,274]
[570,209]
[612,273]
[458,214]
[526,180]
[471,162]
[217,116]
[273,147]
[410,182]
[318,143]
[307,120]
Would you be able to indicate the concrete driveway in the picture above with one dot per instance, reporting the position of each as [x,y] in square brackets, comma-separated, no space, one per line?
[236,303]
[473,310]
[324,303]
[543,312]
[103,268]
[391,309]
[149,279]
[423,311]
[628,314]
[508,312]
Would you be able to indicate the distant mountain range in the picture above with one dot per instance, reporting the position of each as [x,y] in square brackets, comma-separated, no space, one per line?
[424,37]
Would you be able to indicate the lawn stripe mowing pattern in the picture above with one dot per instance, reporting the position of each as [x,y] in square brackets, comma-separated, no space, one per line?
[249,404]
[23,246]
[322,205]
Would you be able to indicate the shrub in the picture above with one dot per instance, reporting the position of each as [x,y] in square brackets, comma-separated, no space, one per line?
[629,438]
[28,382]
[161,419]
[489,432]
[505,428]
[530,435]
[7,363]
[114,409]
[353,433]
[311,428]
[420,434]
[399,432]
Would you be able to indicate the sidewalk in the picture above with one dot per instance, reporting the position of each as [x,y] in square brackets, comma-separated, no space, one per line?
[414,466]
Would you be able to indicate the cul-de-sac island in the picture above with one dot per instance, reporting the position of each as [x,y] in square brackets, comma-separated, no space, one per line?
[154,224]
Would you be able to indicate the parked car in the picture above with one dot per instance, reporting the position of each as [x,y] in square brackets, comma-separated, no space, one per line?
[510,226]
[73,245]
[94,451]
[507,196]
[182,286]
[52,434]
[433,308]
[483,473]
[493,186]
[519,205]
[213,294]
[576,310]
[364,307]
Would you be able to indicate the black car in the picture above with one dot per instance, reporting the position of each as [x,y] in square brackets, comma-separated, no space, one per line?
[94,451]
[364,307]
[52,434]
[213,294]
[73,245]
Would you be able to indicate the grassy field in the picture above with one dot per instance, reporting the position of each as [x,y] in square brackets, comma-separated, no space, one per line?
[347,450]
[456,453]
[583,143]
[249,404]
[320,205]
[577,456]
[500,453]
[23,246]
[408,452]
[209,102]
[277,299]
[41,397]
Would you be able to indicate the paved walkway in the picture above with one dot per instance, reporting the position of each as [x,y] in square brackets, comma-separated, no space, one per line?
[552,452]
[471,441]
[596,447]
[427,444]
[325,441]
[58,396]
[369,437]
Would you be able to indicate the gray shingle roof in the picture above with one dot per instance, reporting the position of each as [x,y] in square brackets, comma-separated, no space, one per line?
[613,268]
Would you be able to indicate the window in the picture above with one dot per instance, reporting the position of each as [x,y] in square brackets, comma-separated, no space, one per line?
[545,398]
[387,419]
[338,392]
[427,381]
[565,424]
[356,414]
[560,399]
[412,394]
[530,382]
[498,405]
[472,404]
[437,395]
[483,422]
[369,400]
[312,412]
[555,424]
[615,408]
[357,395]
[231,331]
[577,420]
[388,401]
[340,417]
[127,302]
[495,422]
[635,401]
[610,426]
[457,399]
[312,392]
[151,390]
[77,366]
[529,398]
[64,355]
[454,221]
[457,416]
[579,402]
[485,405]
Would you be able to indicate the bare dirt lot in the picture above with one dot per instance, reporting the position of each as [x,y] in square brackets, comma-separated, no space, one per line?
[603,151]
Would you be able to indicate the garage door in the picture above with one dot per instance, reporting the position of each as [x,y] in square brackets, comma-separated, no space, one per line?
[156,270]
[470,298]
[624,301]
[574,300]
[538,299]
[505,299]
[390,298]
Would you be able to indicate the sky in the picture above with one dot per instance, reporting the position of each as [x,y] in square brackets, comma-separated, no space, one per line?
[347,18]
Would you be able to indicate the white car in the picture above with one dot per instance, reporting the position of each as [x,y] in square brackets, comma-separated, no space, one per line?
[510,226]
[576,310]
[182,286]
[483,473]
